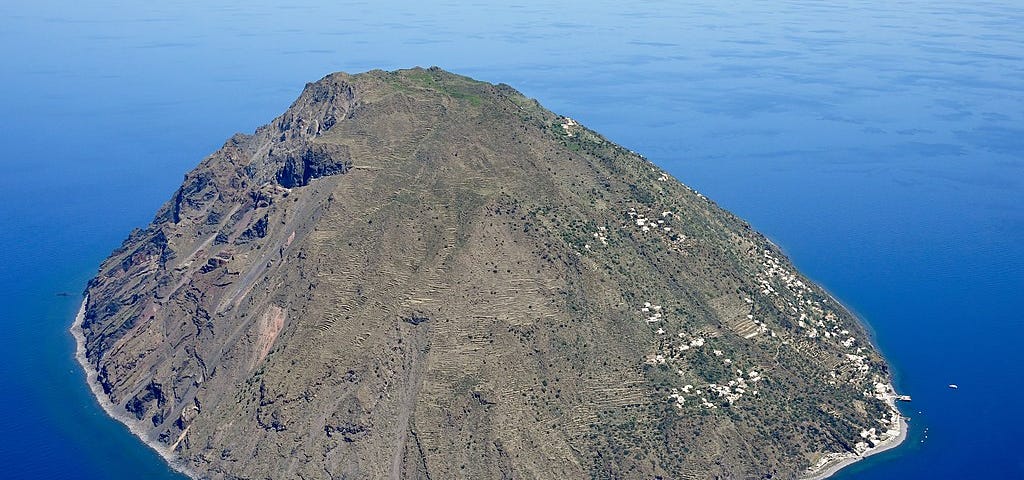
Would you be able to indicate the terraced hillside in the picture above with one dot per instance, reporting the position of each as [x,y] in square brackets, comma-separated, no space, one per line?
[413,274]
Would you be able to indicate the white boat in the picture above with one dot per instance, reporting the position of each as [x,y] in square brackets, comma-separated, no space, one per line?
[953,386]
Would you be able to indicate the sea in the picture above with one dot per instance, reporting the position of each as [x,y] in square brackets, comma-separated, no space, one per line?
[879,143]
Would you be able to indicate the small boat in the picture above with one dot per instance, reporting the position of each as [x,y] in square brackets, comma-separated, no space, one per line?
[953,386]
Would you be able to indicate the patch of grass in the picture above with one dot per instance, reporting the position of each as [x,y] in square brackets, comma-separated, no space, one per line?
[423,78]
[454,89]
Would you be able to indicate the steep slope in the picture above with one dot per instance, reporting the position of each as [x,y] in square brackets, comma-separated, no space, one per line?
[412,274]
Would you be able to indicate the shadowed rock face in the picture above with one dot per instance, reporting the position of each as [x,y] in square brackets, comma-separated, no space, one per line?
[412,274]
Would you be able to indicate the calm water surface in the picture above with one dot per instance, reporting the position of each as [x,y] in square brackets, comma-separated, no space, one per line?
[880,143]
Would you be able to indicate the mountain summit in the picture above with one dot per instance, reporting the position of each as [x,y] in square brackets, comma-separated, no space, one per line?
[413,274]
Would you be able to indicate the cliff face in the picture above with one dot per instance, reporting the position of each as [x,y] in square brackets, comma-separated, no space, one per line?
[416,275]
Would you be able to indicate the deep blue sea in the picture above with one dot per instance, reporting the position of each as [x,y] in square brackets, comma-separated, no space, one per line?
[880,143]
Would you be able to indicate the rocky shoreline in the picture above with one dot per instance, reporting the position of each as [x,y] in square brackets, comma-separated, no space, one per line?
[832,463]
[109,408]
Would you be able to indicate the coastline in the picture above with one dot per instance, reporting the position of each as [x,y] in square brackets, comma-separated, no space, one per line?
[831,466]
[104,402]
[837,461]
[841,461]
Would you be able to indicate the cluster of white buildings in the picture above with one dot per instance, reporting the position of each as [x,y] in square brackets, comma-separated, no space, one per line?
[569,125]
[782,287]
[792,295]
[673,352]
[889,429]
[646,224]
[652,312]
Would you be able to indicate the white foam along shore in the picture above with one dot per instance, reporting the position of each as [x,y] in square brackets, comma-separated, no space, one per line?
[832,463]
[104,401]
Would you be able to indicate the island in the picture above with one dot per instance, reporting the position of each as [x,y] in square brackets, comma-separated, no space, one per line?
[414,274]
